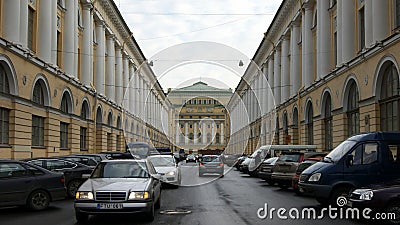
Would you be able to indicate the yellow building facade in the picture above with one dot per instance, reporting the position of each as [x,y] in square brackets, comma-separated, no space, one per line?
[74,80]
[329,70]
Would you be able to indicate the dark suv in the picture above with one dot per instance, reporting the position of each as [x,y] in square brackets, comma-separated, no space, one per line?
[285,167]
[73,171]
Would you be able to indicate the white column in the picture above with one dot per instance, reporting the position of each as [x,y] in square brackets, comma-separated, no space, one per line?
[204,133]
[271,99]
[195,133]
[186,133]
[339,32]
[131,89]
[11,20]
[265,88]
[213,132]
[368,23]
[277,75]
[44,31]
[348,26]
[259,94]
[110,68]
[380,20]
[23,28]
[125,77]
[295,72]
[222,136]
[323,38]
[307,47]
[87,59]
[76,37]
[118,75]
[100,57]
[285,70]
[177,132]
[139,97]
[54,38]
[68,38]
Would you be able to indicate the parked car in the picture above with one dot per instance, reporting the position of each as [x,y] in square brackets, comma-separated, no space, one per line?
[119,186]
[167,167]
[381,198]
[81,159]
[98,157]
[29,185]
[302,166]
[118,155]
[265,170]
[239,162]
[230,159]
[286,165]
[211,164]
[190,158]
[141,150]
[72,171]
[351,165]
[244,166]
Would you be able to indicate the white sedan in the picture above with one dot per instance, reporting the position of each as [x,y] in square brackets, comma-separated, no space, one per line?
[166,166]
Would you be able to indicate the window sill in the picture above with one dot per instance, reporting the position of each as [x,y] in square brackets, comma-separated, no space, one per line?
[5,146]
[38,147]
[65,149]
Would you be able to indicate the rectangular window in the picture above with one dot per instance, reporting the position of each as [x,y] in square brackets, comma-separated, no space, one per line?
[59,48]
[37,131]
[31,19]
[335,48]
[4,125]
[63,135]
[83,141]
[361,28]
[108,141]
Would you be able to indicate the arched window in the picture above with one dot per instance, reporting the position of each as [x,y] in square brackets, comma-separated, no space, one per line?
[132,128]
[191,137]
[277,130]
[295,126]
[99,116]
[4,84]
[310,124]
[285,129]
[353,112]
[85,110]
[328,123]
[217,138]
[66,103]
[38,95]
[109,119]
[119,124]
[389,101]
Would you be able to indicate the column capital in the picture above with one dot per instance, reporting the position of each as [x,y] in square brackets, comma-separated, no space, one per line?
[308,5]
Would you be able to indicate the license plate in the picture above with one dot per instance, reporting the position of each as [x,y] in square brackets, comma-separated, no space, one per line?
[110,206]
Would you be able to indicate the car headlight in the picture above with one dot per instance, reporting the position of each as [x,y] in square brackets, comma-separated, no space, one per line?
[365,194]
[171,173]
[84,195]
[139,195]
[315,177]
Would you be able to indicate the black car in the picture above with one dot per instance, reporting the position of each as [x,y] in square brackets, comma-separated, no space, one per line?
[25,184]
[81,159]
[98,157]
[190,158]
[380,198]
[265,170]
[73,171]
[118,155]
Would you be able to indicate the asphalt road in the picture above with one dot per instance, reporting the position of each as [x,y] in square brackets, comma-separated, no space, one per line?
[233,199]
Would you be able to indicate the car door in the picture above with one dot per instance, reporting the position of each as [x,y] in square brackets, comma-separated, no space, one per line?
[364,165]
[391,160]
[155,182]
[16,182]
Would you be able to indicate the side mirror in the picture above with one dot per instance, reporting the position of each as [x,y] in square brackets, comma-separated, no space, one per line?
[156,176]
[85,176]
[349,160]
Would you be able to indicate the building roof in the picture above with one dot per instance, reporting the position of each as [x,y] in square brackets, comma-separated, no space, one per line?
[201,87]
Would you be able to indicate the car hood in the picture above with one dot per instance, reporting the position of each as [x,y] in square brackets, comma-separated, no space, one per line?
[316,167]
[165,169]
[115,184]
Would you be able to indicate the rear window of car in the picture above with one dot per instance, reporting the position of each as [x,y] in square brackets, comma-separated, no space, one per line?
[210,159]
[289,158]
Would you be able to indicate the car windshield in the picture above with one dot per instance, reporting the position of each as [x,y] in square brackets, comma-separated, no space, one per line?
[290,158]
[162,161]
[139,150]
[121,170]
[210,159]
[336,154]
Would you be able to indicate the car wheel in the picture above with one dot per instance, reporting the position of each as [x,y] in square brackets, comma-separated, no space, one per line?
[38,200]
[81,217]
[336,194]
[72,187]
[151,213]
[394,208]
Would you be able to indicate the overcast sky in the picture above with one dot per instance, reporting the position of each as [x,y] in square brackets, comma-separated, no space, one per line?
[203,28]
